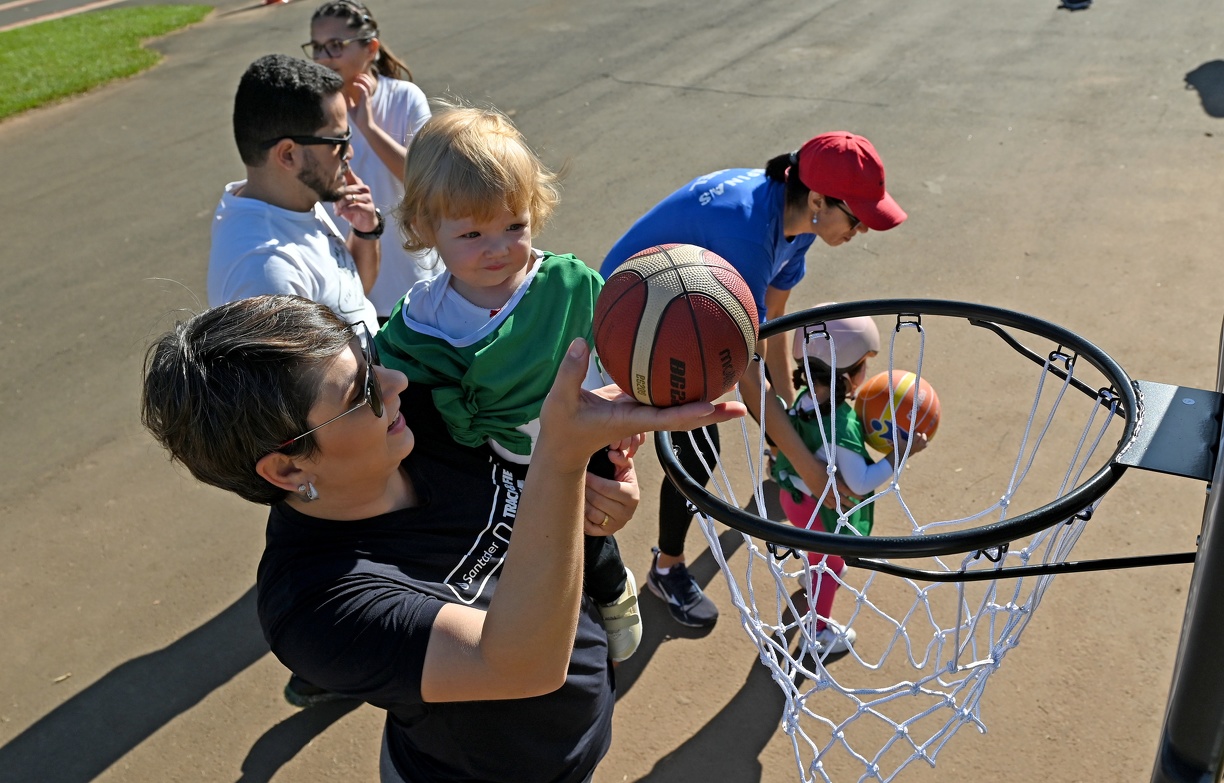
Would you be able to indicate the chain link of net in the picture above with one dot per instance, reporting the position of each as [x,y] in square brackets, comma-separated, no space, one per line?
[924,651]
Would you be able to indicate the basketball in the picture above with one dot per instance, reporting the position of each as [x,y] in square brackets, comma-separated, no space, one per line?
[872,404]
[675,324]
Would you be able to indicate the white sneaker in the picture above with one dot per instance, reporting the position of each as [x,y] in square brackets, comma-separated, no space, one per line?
[622,621]
[834,639]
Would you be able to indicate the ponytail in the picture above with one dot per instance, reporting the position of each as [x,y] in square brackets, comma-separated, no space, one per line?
[785,169]
[387,64]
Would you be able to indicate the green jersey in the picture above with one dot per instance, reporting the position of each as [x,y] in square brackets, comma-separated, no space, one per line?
[849,436]
[489,384]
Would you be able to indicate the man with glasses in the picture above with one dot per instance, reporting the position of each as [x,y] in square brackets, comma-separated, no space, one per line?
[270,233]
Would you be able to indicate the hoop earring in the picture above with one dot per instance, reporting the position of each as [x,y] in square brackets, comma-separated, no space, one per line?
[307,492]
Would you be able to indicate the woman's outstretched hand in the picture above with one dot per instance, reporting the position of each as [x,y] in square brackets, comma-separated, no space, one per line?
[574,422]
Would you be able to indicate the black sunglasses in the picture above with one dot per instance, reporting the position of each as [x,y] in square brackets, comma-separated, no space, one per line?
[373,390]
[854,222]
[333,48]
[336,141]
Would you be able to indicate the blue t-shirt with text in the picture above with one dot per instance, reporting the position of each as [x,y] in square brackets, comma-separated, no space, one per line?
[737,213]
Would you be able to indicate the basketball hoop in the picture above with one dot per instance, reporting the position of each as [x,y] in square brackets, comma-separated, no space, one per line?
[917,650]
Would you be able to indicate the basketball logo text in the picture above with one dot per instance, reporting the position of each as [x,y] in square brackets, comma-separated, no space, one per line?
[677,382]
[728,368]
[881,429]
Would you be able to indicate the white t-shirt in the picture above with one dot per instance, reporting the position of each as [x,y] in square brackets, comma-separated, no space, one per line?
[258,248]
[400,109]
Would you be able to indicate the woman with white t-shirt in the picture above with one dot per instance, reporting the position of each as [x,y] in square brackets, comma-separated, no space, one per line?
[387,110]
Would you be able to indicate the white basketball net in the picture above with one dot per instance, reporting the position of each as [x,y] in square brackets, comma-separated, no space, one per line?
[924,650]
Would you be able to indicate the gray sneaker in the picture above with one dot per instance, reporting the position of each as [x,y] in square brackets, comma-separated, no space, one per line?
[622,621]
[834,638]
[687,604]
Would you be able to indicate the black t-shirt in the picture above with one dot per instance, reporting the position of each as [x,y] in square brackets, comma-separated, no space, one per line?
[349,606]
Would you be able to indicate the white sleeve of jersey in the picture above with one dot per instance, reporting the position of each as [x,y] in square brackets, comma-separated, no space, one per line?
[596,378]
[861,478]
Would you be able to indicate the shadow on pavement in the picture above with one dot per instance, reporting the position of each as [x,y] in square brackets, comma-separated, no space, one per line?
[282,742]
[657,624]
[1208,81]
[727,747]
[85,735]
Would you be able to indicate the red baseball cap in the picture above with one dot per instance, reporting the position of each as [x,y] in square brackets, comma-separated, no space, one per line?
[846,167]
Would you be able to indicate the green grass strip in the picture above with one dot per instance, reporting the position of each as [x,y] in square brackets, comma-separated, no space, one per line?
[51,60]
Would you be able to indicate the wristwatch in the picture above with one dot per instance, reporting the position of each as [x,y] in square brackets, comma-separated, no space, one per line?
[378,230]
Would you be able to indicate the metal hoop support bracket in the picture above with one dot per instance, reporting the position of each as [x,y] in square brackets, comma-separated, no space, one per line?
[1181,427]
[1191,746]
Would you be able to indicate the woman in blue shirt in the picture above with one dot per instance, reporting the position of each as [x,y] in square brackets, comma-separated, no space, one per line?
[762,221]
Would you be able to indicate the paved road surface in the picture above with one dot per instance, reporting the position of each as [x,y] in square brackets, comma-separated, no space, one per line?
[1052,162]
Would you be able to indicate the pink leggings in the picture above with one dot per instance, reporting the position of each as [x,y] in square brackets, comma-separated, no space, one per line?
[826,586]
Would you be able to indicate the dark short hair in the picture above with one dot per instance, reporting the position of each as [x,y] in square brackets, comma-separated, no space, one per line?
[230,385]
[784,168]
[280,96]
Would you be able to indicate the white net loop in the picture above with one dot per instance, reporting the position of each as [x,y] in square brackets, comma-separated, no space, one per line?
[921,652]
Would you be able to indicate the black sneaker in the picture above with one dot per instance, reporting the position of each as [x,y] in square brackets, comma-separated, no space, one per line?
[687,604]
[302,693]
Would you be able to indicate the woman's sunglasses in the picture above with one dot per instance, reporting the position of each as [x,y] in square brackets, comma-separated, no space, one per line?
[854,222]
[373,391]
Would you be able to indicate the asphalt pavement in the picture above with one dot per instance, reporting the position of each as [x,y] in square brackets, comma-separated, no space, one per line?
[1065,164]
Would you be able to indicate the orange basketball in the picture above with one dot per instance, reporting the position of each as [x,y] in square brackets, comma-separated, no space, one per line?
[882,408]
[675,324]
